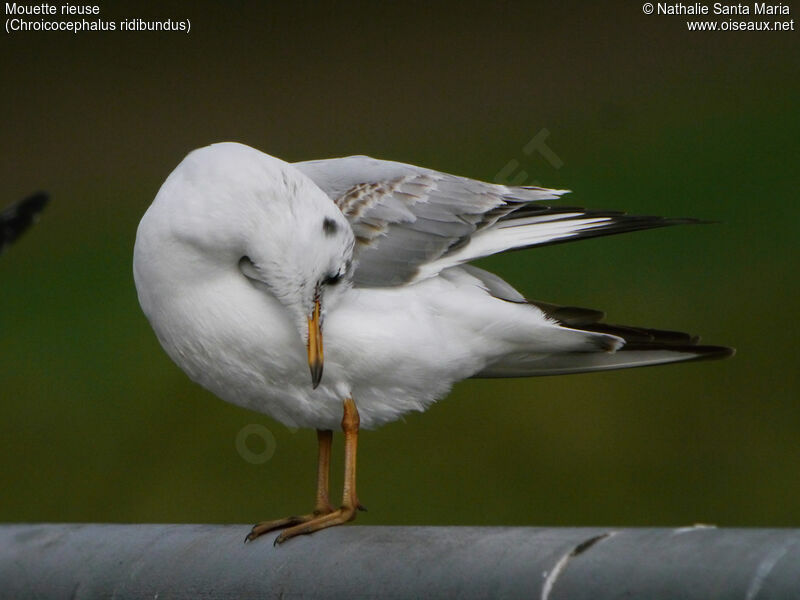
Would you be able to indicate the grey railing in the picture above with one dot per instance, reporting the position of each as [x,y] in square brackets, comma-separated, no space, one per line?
[211,561]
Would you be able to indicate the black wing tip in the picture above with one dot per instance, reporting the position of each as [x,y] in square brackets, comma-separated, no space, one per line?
[715,352]
[618,222]
[642,335]
[538,209]
[639,338]
[636,338]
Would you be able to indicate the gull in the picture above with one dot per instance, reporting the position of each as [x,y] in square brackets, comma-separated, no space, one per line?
[243,261]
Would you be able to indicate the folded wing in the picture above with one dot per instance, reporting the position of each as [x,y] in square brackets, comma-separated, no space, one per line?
[643,347]
[411,223]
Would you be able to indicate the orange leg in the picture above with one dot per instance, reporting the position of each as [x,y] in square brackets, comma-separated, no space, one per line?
[350,504]
[322,505]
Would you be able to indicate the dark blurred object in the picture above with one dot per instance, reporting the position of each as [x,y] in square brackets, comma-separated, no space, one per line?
[18,217]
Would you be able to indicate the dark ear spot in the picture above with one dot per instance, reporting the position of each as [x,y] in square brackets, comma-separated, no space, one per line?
[329,226]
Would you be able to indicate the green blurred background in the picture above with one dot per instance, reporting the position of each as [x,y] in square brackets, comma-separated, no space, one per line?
[96,423]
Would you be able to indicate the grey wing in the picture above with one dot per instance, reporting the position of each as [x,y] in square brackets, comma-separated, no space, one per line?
[406,217]
[411,223]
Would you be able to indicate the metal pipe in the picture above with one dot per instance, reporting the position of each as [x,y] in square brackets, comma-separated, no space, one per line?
[211,561]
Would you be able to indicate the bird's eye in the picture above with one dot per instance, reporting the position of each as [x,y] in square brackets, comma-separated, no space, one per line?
[332,279]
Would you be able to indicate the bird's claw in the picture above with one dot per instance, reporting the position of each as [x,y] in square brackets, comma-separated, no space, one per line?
[337,517]
[263,527]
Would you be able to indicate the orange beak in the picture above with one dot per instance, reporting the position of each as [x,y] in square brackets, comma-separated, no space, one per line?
[315,356]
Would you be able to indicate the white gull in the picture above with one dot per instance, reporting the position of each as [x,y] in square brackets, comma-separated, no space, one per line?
[243,261]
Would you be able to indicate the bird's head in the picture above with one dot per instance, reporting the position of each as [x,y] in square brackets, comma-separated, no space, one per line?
[234,207]
[306,263]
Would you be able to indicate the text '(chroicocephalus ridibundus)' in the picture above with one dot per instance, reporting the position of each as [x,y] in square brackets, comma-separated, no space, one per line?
[243,261]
